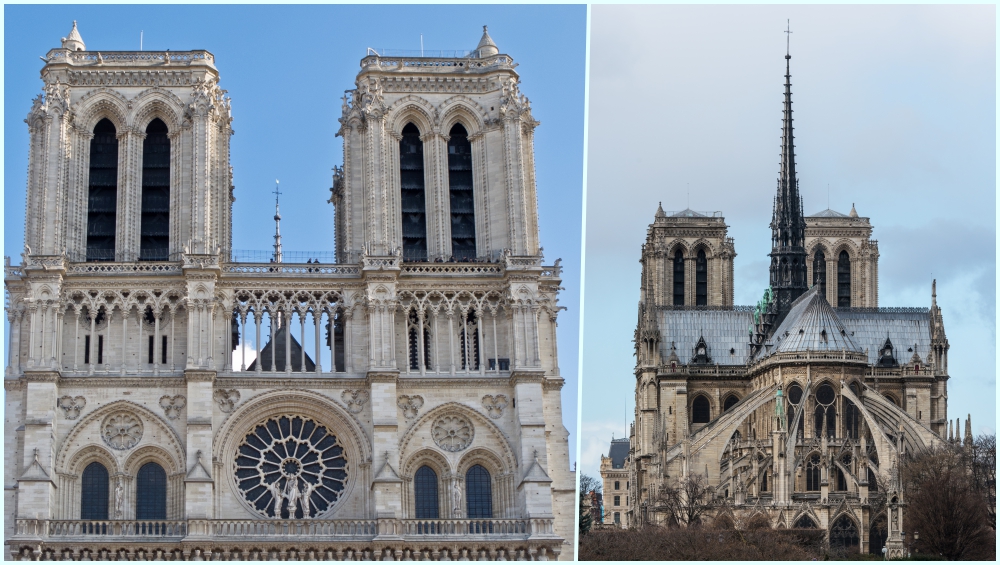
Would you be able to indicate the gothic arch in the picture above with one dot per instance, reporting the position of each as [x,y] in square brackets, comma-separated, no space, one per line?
[151,454]
[681,245]
[97,105]
[153,426]
[485,457]
[483,424]
[703,244]
[156,103]
[844,245]
[89,453]
[712,408]
[818,245]
[462,109]
[412,109]
[426,456]
[808,514]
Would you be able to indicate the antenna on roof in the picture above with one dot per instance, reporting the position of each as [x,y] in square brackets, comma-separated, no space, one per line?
[140,40]
[421,45]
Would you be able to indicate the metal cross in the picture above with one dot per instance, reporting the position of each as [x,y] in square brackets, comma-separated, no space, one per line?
[276,192]
[788,38]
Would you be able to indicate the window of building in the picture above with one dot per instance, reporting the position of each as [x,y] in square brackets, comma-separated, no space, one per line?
[163,350]
[478,492]
[618,500]
[425,485]
[825,415]
[763,482]
[851,419]
[730,401]
[154,234]
[819,271]
[617,485]
[102,195]
[618,517]
[94,492]
[841,480]
[463,211]
[151,493]
[411,184]
[678,278]
[844,533]
[701,279]
[414,339]
[812,473]
[470,352]
[701,411]
[805,522]
[100,350]
[844,279]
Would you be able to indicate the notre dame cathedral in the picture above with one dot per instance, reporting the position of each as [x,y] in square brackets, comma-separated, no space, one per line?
[794,411]
[406,404]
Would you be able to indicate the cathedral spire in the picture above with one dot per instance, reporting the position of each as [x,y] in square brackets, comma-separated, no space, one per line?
[277,224]
[788,254]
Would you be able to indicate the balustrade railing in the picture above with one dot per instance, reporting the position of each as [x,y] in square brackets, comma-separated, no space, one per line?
[290,269]
[110,528]
[293,529]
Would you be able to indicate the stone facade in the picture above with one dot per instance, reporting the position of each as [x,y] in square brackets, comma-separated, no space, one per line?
[127,362]
[796,410]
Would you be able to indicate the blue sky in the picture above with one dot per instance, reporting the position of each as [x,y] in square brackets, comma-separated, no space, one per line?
[286,69]
[895,111]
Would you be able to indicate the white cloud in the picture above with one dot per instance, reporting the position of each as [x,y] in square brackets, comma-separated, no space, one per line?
[595,439]
[251,354]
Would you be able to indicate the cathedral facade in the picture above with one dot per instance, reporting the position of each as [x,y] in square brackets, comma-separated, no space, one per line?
[406,404]
[795,411]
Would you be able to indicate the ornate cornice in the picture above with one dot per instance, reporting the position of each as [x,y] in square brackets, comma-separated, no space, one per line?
[199,376]
[40,376]
[123,382]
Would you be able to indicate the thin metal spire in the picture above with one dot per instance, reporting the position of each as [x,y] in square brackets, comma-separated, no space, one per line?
[277,223]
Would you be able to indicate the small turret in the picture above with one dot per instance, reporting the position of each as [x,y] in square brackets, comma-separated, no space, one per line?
[853,213]
[486,46]
[73,41]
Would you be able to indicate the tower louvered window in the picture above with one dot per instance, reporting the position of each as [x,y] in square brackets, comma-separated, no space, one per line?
[94,493]
[425,485]
[844,279]
[102,195]
[478,492]
[701,279]
[463,213]
[414,338]
[151,493]
[678,278]
[411,183]
[154,237]
[819,271]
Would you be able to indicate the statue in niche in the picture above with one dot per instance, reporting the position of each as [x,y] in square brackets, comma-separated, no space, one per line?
[119,499]
[456,495]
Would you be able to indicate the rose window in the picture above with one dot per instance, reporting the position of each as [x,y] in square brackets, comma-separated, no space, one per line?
[121,430]
[291,467]
[453,433]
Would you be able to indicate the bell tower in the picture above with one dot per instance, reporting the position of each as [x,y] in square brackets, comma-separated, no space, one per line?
[438,159]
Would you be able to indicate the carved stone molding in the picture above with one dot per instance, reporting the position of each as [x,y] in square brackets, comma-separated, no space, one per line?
[172,405]
[410,405]
[453,432]
[494,405]
[354,399]
[122,430]
[71,406]
[227,399]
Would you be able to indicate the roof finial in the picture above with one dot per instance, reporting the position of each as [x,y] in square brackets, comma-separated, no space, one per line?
[788,40]
[486,47]
[277,223]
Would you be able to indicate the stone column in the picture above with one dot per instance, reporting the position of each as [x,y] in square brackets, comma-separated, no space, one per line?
[198,485]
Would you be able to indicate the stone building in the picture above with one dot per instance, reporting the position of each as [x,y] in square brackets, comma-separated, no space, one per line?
[796,409]
[407,403]
[615,478]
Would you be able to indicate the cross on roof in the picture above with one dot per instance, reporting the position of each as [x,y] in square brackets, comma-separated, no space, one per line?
[277,191]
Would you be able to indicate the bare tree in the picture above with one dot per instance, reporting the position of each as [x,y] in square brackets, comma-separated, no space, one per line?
[684,501]
[983,465]
[944,506]
[589,484]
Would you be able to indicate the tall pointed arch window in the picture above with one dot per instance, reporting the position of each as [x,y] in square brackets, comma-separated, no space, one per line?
[701,279]
[813,472]
[679,278]
[478,492]
[411,184]
[844,279]
[151,493]
[819,271]
[463,212]
[701,410]
[470,348]
[413,337]
[94,492]
[102,193]
[425,485]
[154,235]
